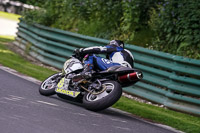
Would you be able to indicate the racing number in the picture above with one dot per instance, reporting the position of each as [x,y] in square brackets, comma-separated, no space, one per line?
[61,83]
[106,61]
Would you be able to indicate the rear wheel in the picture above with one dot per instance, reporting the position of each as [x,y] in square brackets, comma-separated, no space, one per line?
[48,86]
[105,99]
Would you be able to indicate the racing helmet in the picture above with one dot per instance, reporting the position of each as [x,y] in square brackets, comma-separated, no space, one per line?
[117,43]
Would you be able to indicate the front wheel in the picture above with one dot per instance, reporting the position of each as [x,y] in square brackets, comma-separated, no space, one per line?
[105,99]
[48,86]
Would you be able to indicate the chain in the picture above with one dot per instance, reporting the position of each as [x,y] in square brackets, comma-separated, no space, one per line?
[94,93]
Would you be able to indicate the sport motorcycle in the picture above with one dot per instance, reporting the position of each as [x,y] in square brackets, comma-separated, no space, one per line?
[96,90]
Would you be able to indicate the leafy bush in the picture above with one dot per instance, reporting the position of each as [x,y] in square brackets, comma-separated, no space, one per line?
[165,25]
[178,28]
[106,18]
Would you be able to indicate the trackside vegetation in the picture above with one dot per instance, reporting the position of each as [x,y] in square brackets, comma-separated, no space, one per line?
[166,25]
[177,120]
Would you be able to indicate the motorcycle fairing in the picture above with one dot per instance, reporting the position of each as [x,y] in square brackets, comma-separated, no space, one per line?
[72,65]
[62,87]
[68,92]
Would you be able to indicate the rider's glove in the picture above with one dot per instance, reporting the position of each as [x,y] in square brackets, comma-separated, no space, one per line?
[78,53]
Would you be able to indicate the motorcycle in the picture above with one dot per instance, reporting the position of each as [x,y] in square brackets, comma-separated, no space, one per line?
[97,91]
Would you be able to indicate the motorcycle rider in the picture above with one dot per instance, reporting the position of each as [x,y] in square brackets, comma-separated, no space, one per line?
[115,54]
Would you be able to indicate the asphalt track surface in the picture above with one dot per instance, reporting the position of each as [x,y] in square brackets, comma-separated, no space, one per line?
[24,110]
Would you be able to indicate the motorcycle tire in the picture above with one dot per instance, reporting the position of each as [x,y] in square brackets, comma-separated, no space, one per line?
[105,99]
[47,88]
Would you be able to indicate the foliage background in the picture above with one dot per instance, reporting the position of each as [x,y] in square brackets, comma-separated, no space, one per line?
[171,26]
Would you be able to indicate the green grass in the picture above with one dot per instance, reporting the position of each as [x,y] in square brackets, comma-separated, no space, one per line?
[10,16]
[180,121]
[14,61]
[5,39]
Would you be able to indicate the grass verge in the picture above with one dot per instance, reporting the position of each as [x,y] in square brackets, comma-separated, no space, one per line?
[14,61]
[10,16]
[180,121]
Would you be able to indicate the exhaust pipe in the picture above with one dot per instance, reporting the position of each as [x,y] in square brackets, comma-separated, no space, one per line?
[130,77]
